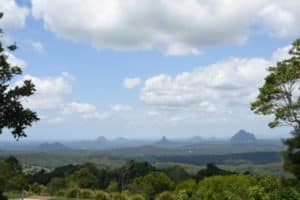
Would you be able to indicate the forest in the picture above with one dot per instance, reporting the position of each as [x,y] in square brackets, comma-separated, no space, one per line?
[141,180]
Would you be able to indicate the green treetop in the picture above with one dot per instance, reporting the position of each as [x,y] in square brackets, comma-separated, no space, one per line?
[13,115]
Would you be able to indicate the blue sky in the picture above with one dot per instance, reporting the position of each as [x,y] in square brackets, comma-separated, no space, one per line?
[128,69]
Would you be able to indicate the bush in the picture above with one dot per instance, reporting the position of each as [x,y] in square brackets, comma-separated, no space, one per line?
[288,193]
[60,193]
[119,196]
[112,187]
[35,188]
[137,197]
[226,187]
[73,193]
[166,196]
[152,184]
[188,186]
[101,195]
[183,195]
[86,193]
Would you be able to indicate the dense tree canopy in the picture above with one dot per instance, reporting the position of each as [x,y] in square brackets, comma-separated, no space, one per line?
[13,115]
[280,97]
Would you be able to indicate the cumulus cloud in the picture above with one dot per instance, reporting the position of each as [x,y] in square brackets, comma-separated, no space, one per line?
[121,108]
[281,18]
[177,27]
[14,15]
[84,110]
[50,91]
[219,87]
[130,83]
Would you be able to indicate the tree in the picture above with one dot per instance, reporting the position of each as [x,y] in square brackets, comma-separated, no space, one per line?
[13,115]
[279,96]
[152,184]
[11,176]
[83,178]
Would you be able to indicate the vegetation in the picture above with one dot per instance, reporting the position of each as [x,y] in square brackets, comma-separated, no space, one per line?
[143,181]
[13,115]
[279,96]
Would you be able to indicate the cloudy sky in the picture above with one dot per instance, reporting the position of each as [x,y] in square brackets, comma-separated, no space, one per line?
[147,68]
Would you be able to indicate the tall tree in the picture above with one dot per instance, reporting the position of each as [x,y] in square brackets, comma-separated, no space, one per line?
[280,97]
[13,115]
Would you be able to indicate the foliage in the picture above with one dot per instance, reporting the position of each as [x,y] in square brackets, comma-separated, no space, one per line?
[137,197]
[176,173]
[78,182]
[13,115]
[112,187]
[73,192]
[83,178]
[188,187]
[279,96]
[101,195]
[11,176]
[87,193]
[166,196]
[226,187]
[152,184]
[131,170]
[119,196]
[55,185]
[211,170]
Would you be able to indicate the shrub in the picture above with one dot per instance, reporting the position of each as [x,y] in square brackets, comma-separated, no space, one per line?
[73,193]
[188,186]
[86,193]
[183,195]
[166,196]
[226,187]
[35,188]
[112,187]
[137,197]
[101,195]
[119,196]
[60,193]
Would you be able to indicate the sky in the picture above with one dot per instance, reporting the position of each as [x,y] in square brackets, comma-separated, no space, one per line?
[147,68]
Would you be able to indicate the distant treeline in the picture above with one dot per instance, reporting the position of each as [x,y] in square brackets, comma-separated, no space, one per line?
[251,158]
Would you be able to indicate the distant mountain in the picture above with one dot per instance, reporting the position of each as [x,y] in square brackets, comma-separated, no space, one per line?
[52,147]
[102,140]
[243,137]
[164,141]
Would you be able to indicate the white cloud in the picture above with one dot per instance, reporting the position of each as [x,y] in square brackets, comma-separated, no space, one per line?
[121,108]
[84,110]
[130,83]
[14,15]
[177,27]
[38,46]
[181,50]
[216,88]
[281,54]
[50,91]
[281,18]
[14,61]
